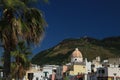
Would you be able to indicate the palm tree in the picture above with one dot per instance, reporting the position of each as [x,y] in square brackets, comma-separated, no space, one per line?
[18,22]
[21,61]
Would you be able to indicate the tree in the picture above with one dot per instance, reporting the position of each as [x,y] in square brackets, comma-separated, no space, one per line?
[21,61]
[18,22]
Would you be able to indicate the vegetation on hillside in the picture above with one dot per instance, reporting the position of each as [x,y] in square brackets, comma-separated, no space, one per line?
[89,47]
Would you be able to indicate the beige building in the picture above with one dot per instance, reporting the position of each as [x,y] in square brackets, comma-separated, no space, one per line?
[79,67]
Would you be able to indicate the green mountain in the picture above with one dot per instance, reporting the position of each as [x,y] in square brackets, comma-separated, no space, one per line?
[89,47]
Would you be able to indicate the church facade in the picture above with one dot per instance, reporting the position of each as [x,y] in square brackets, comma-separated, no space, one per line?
[80,67]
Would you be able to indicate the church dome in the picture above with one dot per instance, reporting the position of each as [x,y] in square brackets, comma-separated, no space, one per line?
[77,53]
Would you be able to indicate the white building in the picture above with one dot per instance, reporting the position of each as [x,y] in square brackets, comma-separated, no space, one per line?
[1,73]
[34,73]
[37,73]
[96,63]
[59,73]
[88,66]
[50,71]
[88,69]
[108,73]
[47,71]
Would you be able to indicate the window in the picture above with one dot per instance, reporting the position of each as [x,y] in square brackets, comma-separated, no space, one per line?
[92,71]
[30,76]
[119,65]
[92,65]
[108,65]
[118,79]
[103,71]
[99,71]
[75,59]
[37,78]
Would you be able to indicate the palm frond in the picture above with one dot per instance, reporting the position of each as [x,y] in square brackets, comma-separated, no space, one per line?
[19,22]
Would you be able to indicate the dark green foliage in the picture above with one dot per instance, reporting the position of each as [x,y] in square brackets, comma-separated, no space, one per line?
[89,47]
[19,21]
[1,67]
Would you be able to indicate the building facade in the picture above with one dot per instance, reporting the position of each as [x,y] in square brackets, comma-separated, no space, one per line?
[79,67]
[108,73]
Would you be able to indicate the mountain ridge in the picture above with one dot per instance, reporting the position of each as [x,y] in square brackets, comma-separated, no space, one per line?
[90,48]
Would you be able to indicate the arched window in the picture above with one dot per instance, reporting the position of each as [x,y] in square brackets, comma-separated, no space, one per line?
[75,59]
[103,71]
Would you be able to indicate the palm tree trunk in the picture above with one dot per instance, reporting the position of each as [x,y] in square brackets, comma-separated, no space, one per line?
[7,60]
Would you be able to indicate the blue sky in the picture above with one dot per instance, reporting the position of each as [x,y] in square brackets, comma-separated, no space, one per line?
[78,18]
